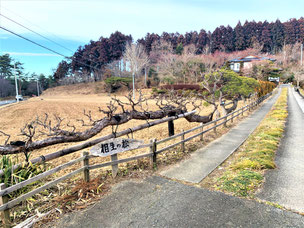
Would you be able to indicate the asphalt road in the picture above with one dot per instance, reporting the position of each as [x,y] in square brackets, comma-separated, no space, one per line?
[7,102]
[158,202]
[285,184]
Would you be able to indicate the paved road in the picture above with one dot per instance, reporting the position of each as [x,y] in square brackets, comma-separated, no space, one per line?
[285,185]
[7,102]
[205,160]
[158,202]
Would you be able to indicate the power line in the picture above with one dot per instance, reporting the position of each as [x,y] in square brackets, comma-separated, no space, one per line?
[32,41]
[35,32]
[42,46]
[44,36]
[37,26]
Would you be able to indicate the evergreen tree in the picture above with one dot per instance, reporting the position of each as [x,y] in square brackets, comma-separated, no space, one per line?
[179,49]
[277,34]
[6,66]
[239,37]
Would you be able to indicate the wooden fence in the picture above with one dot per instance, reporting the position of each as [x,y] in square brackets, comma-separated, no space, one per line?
[152,153]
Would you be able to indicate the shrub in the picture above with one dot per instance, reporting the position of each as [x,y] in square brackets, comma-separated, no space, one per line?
[265,87]
[114,83]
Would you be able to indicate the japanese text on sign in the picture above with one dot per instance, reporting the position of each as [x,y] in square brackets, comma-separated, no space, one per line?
[115,146]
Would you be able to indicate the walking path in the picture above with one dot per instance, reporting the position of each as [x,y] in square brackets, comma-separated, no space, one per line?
[205,160]
[157,202]
[285,184]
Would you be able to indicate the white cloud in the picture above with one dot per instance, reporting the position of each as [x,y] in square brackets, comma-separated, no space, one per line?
[30,54]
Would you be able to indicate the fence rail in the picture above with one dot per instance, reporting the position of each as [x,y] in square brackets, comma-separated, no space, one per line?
[85,169]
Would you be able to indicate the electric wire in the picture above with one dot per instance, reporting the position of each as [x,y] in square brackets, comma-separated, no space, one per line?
[1,14]
[31,30]
[49,49]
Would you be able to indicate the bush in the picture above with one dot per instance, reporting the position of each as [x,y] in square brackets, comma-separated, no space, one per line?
[114,83]
[265,87]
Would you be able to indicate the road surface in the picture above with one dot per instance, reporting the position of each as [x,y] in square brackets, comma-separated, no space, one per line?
[285,184]
[7,102]
[158,202]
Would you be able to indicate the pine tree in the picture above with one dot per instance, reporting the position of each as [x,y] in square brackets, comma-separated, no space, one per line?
[277,34]
[239,37]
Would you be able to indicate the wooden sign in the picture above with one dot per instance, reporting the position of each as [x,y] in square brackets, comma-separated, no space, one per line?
[114,146]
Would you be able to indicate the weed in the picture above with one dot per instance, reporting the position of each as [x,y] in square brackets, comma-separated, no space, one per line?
[240,183]
[26,171]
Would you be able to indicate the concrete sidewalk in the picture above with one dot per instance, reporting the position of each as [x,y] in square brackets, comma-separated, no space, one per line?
[285,184]
[205,160]
[157,202]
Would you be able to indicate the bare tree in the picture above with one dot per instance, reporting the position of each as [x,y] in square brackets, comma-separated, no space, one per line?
[137,58]
[298,71]
[160,48]
[171,68]
[45,131]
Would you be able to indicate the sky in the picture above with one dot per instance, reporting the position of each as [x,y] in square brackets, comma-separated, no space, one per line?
[72,23]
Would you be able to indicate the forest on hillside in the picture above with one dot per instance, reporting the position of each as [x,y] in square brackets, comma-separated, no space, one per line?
[92,59]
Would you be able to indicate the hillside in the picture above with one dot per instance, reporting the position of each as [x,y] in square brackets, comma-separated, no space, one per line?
[81,89]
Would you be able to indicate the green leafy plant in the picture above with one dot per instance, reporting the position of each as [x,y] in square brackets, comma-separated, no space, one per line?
[26,171]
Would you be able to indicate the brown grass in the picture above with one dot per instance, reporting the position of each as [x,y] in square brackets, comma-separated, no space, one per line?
[71,108]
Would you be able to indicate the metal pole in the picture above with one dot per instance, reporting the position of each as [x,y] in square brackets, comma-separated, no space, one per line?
[16,83]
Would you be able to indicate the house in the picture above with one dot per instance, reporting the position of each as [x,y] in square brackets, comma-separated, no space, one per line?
[240,63]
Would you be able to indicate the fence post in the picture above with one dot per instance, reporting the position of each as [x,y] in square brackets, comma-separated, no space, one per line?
[183,143]
[114,167]
[5,214]
[153,151]
[225,121]
[242,110]
[86,171]
[232,114]
[171,124]
[202,135]
[214,129]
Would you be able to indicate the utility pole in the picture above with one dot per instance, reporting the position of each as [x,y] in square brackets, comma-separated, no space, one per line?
[16,83]
[301,54]
[38,87]
[133,85]
[146,77]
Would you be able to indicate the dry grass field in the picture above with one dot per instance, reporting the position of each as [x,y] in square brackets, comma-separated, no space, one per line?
[69,102]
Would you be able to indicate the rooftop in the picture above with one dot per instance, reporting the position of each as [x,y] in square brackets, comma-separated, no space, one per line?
[251,58]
